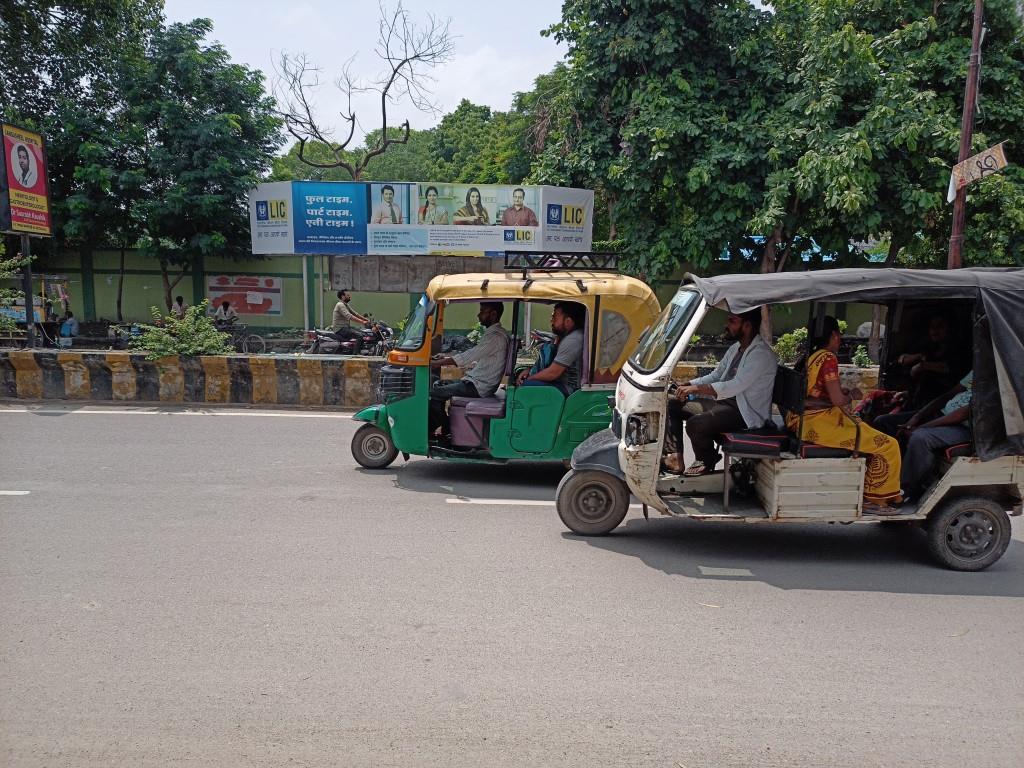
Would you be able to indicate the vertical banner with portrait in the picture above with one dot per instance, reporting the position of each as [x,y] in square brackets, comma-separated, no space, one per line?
[24,186]
[568,219]
[270,218]
[329,217]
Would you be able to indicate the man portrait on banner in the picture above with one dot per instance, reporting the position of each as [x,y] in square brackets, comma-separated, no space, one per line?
[387,211]
[25,172]
[517,214]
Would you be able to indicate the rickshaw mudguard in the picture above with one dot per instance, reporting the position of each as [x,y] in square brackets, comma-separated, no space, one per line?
[600,451]
[375,414]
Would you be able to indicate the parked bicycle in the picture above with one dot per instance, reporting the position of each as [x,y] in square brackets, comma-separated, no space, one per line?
[243,341]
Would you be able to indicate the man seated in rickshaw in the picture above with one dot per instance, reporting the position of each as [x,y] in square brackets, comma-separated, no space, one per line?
[567,321]
[736,395]
[926,437]
[932,371]
[827,421]
[487,359]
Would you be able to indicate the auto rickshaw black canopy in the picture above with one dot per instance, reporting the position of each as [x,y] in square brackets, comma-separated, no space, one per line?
[998,294]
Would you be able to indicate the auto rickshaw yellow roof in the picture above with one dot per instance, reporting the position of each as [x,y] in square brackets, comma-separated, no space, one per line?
[538,285]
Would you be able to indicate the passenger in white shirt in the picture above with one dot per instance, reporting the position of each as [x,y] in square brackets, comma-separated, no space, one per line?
[225,314]
[487,359]
[736,395]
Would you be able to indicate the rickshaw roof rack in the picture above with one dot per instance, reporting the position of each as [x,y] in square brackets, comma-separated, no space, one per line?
[557,261]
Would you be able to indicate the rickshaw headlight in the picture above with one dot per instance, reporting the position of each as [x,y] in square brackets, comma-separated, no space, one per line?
[641,429]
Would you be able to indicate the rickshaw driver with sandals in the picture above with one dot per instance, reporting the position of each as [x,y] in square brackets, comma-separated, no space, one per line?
[736,395]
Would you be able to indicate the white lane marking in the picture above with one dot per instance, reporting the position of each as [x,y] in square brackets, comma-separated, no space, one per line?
[131,412]
[15,493]
[708,571]
[513,502]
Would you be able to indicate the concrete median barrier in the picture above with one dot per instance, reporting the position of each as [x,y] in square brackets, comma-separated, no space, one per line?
[342,382]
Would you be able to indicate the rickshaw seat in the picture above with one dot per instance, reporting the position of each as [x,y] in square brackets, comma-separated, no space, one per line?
[488,407]
[468,417]
[754,442]
[812,451]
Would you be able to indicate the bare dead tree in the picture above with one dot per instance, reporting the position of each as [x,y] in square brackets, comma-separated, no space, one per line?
[408,53]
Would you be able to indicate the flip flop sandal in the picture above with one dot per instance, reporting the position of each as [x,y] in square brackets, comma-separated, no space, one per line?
[695,470]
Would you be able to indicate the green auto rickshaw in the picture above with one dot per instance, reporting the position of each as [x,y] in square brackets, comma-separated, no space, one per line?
[535,423]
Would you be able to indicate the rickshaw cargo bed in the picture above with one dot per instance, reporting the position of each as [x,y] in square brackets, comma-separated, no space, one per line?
[811,488]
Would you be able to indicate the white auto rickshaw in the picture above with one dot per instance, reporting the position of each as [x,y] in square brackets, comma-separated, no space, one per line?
[776,480]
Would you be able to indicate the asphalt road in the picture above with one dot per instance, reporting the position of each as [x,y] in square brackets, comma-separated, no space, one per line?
[229,589]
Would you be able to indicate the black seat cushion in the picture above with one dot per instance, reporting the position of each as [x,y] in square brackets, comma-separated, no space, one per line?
[960,449]
[812,451]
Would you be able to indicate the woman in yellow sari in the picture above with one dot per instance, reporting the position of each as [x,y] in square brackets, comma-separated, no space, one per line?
[828,422]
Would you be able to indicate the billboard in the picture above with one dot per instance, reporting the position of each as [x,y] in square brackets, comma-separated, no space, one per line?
[24,186]
[419,218]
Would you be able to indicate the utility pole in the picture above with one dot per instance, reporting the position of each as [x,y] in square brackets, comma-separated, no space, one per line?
[956,240]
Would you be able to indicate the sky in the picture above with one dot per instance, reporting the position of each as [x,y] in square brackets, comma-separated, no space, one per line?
[497,52]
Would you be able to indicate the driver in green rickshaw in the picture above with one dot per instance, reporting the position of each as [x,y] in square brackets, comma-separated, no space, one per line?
[487,361]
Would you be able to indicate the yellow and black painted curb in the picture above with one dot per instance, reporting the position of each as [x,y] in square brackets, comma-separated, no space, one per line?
[126,377]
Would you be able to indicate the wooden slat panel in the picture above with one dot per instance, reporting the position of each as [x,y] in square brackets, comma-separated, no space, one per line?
[811,480]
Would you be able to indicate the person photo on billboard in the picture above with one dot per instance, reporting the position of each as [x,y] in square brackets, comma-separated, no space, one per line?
[25,172]
[430,212]
[517,214]
[387,211]
[473,212]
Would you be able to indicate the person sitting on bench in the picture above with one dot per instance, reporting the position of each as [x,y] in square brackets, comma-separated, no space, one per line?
[926,437]
[828,422]
[736,395]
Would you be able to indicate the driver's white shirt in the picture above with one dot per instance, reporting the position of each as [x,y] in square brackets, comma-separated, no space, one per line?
[489,357]
[753,383]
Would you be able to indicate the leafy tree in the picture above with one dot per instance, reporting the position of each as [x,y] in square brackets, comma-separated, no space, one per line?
[9,270]
[209,134]
[61,70]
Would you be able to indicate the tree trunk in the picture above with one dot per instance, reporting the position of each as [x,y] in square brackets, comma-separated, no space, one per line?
[170,285]
[611,219]
[875,339]
[768,266]
[120,287]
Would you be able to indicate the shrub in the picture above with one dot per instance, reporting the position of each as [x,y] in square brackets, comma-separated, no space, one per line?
[195,334]
[860,357]
[791,345]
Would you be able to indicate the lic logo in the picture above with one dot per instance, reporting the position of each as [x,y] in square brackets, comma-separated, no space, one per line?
[518,236]
[271,210]
[510,235]
[554,214]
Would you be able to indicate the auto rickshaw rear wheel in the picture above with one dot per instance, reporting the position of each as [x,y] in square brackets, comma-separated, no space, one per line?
[372,447]
[591,502]
[968,533]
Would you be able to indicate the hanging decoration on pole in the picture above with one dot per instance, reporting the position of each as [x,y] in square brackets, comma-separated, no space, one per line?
[992,160]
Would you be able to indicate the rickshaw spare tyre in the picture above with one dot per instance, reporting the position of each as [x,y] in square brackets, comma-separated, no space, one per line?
[372,447]
[968,533]
[591,502]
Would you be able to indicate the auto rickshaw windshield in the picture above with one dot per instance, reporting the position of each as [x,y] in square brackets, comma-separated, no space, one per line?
[662,337]
[412,336]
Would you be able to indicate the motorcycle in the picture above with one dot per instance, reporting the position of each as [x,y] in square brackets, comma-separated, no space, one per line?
[375,339]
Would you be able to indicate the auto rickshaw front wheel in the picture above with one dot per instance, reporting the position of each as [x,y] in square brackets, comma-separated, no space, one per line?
[968,533]
[591,502]
[372,447]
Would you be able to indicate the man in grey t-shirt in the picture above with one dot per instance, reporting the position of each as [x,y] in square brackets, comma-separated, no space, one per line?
[567,320]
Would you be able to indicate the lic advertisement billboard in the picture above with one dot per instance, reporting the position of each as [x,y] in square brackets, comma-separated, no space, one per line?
[418,218]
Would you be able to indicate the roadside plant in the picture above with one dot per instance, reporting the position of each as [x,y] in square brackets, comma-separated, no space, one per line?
[194,334]
[860,357]
[791,345]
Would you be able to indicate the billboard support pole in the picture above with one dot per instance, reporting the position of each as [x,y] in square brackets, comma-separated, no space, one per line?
[305,292]
[30,301]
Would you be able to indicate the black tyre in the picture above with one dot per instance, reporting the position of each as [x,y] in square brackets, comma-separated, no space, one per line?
[590,502]
[969,533]
[372,447]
